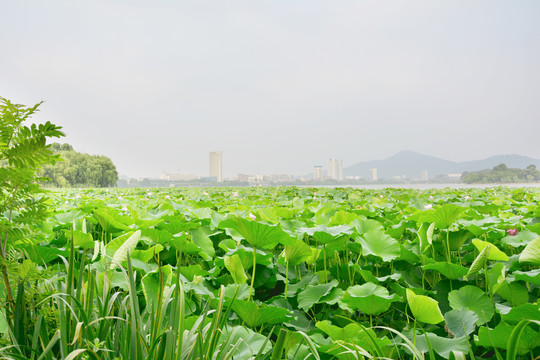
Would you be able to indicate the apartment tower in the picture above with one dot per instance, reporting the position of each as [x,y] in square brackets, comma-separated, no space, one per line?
[215,165]
[335,169]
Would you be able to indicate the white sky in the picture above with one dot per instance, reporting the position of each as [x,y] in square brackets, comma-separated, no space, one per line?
[278,86]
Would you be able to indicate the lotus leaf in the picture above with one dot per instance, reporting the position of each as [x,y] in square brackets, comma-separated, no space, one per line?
[368,298]
[424,308]
[494,252]
[379,244]
[531,253]
[254,315]
[312,294]
[472,298]
[258,234]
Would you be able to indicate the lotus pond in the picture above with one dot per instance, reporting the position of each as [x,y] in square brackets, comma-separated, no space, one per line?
[280,273]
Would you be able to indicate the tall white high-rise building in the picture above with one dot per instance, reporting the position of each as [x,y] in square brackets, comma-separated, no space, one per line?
[335,169]
[424,175]
[215,165]
[373,173]
[318,173]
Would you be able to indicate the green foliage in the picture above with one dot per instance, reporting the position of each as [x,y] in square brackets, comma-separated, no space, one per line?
[23,152]
[424,308]
[79,169]
[502,174]
[324,274]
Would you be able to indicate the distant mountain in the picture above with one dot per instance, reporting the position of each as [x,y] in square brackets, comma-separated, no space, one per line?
[410,164]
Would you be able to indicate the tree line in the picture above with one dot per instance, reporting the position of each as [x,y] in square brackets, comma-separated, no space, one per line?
[79,169]
[502,174]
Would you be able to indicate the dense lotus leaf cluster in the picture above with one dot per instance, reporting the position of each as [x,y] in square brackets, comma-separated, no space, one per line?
[392,273]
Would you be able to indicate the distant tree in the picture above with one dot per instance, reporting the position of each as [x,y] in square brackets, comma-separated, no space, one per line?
[80,170]
[502,174]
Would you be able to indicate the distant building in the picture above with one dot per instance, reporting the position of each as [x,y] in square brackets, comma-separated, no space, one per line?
[179,177]
[454,177]
[215,165]
[424,175]
[373,174]
[318,173]
[335,169]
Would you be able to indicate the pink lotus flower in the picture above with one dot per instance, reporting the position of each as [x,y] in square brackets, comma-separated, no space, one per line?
[253,217]
[512,232]
[467,197]
[428,206]
[430,197]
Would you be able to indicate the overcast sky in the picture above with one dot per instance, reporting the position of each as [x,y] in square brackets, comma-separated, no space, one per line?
[279,86]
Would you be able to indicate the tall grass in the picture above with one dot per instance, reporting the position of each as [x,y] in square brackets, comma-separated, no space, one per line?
[86,317]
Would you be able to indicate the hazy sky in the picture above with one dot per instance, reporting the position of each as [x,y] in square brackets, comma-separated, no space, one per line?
[280,85]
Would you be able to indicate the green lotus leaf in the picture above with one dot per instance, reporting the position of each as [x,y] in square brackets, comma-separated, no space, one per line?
[336,333]
[522,312]
[309,279]
[268,214]
[368,298]
[498,337]
[425,234]
[110,221]
[313,293]
[443,217]
[521,239]
[246,343]
[201,238]
[532,276]
[148,254]
[440,345]
[496,277]
[461,322]
[151,283]
[246,255]
[516,294]
[325,234]
[126,248]
[449,270]
[342,218]
[479,262]
[472,298]
[424,308]
[254,315]
[379,244]
[531,253]
[494,252]
[456,239]
[353,333]
[67,218]
[297,253]
[158,236]
[189,272]
[364,226]
[81,239]
[258,234]
[235,267]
